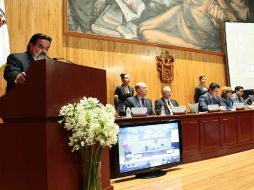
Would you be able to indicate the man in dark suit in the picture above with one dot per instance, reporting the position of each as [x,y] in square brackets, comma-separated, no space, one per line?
[18,63]
[249,100]
[140,100]
[165,101]
[122,92]
[209,98]
[238,95]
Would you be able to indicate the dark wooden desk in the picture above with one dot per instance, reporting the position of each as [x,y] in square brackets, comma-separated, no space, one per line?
[210,135]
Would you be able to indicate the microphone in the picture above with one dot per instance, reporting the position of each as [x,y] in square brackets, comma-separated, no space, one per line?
[56,59]
[47,57]
[59,59]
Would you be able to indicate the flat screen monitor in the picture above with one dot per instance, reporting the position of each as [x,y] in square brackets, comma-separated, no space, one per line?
[146,147]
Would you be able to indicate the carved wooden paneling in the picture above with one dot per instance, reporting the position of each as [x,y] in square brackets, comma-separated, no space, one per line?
[210,134]
[244,129]
[229,131]
[190,142]
[115,57]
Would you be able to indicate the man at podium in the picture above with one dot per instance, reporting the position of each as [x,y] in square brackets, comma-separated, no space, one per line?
[18,63]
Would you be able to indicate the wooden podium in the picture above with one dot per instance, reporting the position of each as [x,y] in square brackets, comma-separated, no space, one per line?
[34,150]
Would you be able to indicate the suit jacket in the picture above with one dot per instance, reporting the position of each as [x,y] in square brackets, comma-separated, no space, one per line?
[227,102]
[235,98]
[134,102]
[16,63]
[205,100]
[161,102]
[198,92]
[249,100]
[122,96]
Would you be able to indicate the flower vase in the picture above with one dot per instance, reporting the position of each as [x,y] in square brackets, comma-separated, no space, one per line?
[92,173]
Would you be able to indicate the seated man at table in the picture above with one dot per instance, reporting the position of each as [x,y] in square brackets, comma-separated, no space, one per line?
[249,100]
[209,98]
[140,100]
[238,95]
[165,101]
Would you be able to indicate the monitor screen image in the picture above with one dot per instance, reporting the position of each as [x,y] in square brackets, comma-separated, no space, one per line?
[147,146]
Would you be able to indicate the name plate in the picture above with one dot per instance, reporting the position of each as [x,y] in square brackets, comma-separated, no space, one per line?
[179,109]
[214,107]
[139,111]
[239,106]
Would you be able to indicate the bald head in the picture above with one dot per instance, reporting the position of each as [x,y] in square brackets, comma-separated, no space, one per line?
[141,89]
[166,92]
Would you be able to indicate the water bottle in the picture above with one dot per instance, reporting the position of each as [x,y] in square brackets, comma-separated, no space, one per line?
[234,107]
[128,112]
[162,110]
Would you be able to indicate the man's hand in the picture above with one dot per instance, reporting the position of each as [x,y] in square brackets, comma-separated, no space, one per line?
[20,79]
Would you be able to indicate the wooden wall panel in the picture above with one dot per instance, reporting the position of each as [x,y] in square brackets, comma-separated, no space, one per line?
[28,17]
[229,131]
[210,135]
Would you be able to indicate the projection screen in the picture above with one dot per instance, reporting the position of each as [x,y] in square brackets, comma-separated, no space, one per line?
[239,46]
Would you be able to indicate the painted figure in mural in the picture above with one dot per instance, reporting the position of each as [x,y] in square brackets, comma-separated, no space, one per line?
[2,18]
[186,23]
[81,14]
[193,23]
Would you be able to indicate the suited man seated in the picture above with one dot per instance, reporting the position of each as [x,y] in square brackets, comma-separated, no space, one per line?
[238,95]
[210,98]
[249,100]
[165,101]
[140,100]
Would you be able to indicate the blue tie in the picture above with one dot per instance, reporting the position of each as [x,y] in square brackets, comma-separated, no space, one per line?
[143,102]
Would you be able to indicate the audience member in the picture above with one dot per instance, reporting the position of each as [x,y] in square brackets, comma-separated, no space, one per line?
[165,101]
[140,100]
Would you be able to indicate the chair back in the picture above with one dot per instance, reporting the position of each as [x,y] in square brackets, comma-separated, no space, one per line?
[193,107]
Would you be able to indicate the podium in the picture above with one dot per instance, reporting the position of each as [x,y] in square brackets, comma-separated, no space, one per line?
[34,150]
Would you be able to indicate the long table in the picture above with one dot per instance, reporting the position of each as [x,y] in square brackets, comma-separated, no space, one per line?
[210,135]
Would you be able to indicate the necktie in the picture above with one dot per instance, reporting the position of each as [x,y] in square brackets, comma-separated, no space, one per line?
[211,100]
[143,102]
[170,106]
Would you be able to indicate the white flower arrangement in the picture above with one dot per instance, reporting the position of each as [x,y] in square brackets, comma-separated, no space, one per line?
[90,122]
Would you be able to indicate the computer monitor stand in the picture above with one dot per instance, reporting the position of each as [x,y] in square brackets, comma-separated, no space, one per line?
[151,174]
